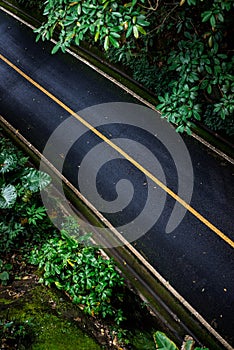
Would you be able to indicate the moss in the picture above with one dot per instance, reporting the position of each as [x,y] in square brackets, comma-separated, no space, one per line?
[44,310]
[143,341]
[55,334]
[4,301]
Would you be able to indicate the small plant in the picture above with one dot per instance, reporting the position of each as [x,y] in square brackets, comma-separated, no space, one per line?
[121,334]
[35,214]
[16,334]
[4,273]
[180,107]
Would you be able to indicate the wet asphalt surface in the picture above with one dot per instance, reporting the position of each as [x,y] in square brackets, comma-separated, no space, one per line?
[196,262]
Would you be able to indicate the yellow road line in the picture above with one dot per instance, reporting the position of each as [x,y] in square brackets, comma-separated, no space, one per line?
[123,153]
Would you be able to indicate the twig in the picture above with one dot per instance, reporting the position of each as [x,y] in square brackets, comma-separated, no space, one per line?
[151,7]
[165,18]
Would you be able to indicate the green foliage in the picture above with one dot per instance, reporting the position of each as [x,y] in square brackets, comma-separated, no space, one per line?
[4,277]
[19,196]
[184,57]
[202,74]
[180,106]
[142,65]
[16,334]
[10,232]
[34,180]
[17,179]
[191,71]
[66,258]
[35,213]
[214,122]
[106,21]
[164,343]
[4,272]
[89,278]
[8,196]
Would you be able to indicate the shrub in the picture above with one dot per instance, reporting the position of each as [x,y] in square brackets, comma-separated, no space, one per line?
[109,22]
[19,201]
[90,279]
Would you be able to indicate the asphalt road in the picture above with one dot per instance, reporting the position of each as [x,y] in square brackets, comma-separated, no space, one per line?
[196,261]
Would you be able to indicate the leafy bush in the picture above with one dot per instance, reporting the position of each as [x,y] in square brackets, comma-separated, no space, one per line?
[109,22]
[142,67]
[19,196]
[184,57]
[186,60]
[90,279]
[203,75]
[65,257]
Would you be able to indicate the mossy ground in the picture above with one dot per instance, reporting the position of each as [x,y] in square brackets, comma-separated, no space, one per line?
[54,322]
[55,334]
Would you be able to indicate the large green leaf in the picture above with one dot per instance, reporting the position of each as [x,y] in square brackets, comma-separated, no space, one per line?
[35,180]
[7,162]
[163,342]
[4,277]
[8,196]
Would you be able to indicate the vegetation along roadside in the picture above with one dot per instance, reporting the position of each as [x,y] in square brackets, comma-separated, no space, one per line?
[53,285]
[182,51]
